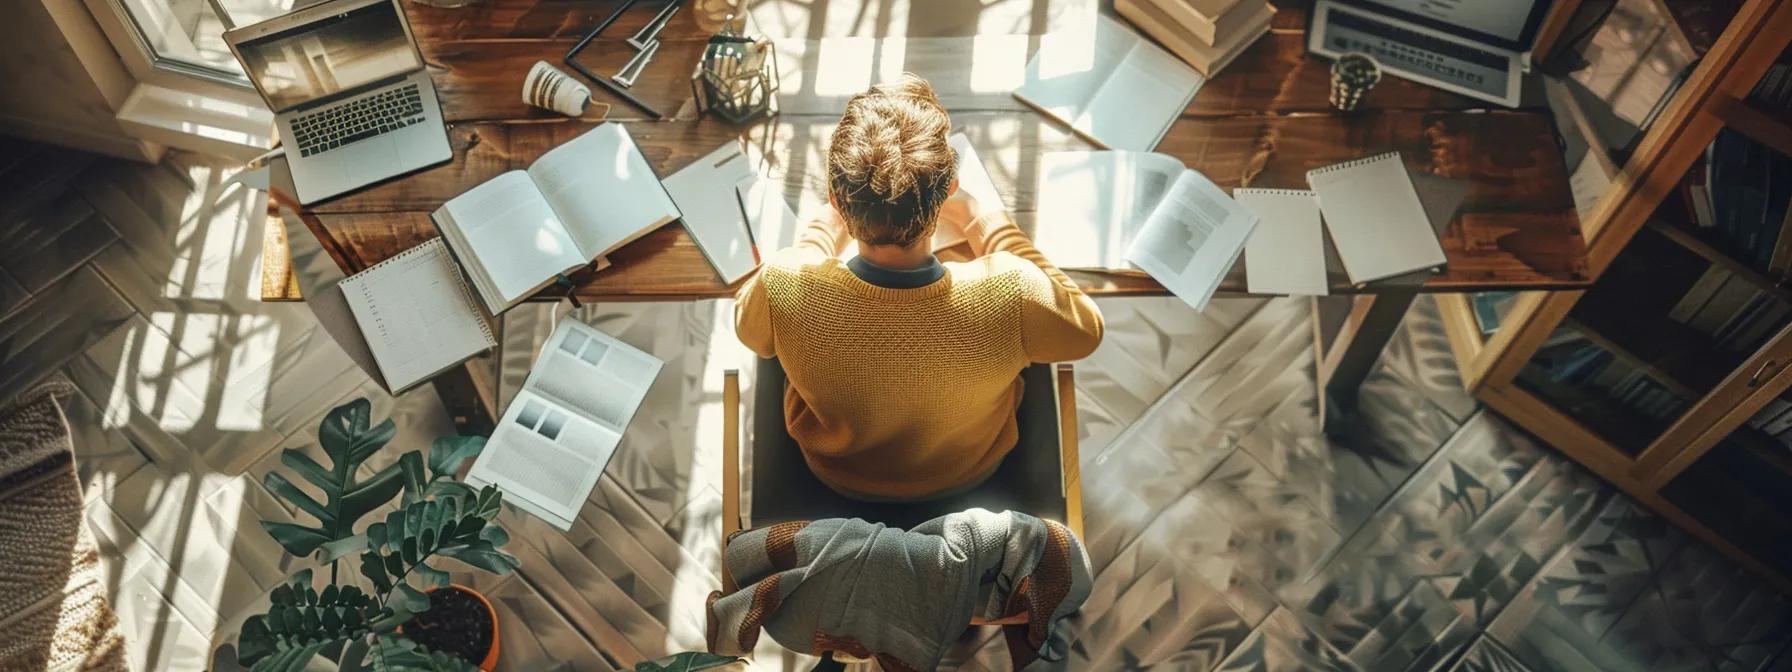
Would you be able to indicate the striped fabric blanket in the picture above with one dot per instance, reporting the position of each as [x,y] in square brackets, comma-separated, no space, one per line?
[902,598]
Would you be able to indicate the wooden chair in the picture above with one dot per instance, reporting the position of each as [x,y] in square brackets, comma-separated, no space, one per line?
[1040,477]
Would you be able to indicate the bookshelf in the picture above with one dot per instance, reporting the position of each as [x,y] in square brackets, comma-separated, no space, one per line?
[1668,376]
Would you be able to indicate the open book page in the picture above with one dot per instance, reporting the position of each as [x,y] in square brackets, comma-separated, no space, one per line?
[566,422]
[602,189]
[1286,253]
[1109,84]
[1138,102]
[973,179]
[512,235]
[1070,66]
[1090,203]
[1193,239]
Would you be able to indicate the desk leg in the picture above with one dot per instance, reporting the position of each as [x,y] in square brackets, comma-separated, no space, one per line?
[1351,337]
[469,392]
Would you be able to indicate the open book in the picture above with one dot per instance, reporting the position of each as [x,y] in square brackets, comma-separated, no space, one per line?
[517,232]
[564,425]
[1109,85]
[1113,210]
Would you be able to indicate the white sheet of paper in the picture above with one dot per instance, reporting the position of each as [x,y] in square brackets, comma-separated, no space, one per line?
[1377,221]
[774,225]
[973,179]
[1286,253]
[711,210]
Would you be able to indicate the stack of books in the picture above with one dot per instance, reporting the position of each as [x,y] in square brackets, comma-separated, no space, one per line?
[1738,317]
[1206,33]
[1776,421]
[1739,194]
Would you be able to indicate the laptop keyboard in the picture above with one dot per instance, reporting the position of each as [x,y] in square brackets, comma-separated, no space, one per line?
[357,119]
[1404,50]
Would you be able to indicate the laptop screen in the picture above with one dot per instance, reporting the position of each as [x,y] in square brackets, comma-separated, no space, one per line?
[1507,23]
[329,55]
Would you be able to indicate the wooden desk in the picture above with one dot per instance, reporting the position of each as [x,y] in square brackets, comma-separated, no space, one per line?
[1262,122]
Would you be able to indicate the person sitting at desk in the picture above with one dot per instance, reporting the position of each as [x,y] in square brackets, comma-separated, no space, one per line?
[904,372]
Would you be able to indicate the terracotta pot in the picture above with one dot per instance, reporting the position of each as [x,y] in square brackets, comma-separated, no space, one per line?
[491,656]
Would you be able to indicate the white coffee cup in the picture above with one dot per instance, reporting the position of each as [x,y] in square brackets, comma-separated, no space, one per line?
[551,88]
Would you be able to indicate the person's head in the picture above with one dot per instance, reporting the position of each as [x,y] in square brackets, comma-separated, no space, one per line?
[889,167]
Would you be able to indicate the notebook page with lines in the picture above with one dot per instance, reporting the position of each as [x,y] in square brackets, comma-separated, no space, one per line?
[417,314]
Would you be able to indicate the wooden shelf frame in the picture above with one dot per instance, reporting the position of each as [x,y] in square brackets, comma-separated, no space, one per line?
[1712,98]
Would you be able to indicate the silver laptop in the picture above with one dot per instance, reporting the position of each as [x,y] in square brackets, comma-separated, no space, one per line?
[351,100]
[1477,48]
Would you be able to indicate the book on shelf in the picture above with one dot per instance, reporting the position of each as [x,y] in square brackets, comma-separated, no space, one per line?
[565,424]
[1723,305]
[1701,291]
[1773,418]
[1491,308]
[1739,193]
[520,231]
[1163,21]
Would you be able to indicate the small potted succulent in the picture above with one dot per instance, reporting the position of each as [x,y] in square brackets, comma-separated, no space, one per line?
[411,618]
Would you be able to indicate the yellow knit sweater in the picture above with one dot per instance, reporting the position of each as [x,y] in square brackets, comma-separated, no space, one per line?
[908,393]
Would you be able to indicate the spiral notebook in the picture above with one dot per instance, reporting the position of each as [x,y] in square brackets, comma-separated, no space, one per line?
[417,314]
[1286,252]
[1378,224]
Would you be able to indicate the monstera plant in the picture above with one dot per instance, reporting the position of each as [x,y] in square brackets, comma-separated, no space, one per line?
[437,518]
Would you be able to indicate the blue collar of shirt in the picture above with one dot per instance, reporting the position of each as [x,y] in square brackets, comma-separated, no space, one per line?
[894,278]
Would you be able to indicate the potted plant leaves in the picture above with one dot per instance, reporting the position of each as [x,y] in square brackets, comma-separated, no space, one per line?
[410,618]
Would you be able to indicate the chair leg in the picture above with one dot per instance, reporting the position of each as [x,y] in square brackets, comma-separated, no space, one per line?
[1068,455]
[730,468]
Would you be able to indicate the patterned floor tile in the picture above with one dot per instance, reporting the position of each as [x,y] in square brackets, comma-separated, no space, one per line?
[1486,655]
[1284,644]
[51,241]
[1287,537]
[549,644]
[1420,353]
[47,332]
[1564,620]
[1729,619]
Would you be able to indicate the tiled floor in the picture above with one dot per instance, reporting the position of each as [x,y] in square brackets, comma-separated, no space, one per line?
[1227,532]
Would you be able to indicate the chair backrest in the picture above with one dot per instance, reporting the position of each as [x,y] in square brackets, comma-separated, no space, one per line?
[1030,480]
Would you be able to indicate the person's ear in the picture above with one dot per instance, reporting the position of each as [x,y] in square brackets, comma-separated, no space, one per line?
[953,189]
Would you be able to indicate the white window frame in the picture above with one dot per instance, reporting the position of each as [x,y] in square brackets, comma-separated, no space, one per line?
[181,105]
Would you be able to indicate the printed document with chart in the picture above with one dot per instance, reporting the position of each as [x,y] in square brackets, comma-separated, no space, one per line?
[564,425]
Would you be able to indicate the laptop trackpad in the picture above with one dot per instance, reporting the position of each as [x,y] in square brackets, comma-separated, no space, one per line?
[367,160]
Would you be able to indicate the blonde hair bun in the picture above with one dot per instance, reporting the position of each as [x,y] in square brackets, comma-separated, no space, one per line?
[889,165]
